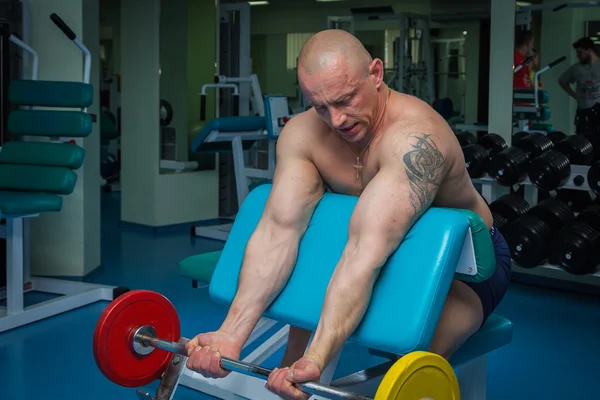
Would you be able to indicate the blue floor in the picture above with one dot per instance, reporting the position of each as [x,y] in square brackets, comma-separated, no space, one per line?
[554,354]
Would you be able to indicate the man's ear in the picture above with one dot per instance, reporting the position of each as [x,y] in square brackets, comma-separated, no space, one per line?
[376,71]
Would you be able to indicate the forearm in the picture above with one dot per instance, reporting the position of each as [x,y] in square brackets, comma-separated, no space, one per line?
[347,298]
[268,262]
[567,88]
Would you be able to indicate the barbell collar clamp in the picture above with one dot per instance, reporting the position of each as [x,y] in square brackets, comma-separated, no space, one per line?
[144,338]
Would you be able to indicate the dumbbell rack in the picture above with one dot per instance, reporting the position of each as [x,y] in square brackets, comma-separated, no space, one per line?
[491,190]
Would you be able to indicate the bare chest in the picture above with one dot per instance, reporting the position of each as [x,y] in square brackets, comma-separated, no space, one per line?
[345,172]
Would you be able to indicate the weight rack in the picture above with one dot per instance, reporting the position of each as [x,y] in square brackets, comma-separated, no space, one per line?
[491,190]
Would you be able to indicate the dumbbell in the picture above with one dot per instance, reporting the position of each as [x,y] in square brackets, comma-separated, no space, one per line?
[553,168]
[593,177]
[477,156]
[529,236]
[134,344]
[576,247]
[518,136]
[507,208]
[465,138]
[509,166]
[575,199]
[556,136]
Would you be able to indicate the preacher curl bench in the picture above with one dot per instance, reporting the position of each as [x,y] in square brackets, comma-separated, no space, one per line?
[406,303]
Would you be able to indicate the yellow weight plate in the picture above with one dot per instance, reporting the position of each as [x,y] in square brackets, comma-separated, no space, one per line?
[419,376]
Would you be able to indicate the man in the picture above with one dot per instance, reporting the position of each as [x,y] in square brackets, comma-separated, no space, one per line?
[535,66]
[523,49]
[359,138]
[586,75]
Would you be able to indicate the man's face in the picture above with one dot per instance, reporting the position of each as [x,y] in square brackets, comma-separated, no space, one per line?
[583,55]
[344,99]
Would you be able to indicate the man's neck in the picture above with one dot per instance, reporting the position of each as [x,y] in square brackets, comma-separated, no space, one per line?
[522,51]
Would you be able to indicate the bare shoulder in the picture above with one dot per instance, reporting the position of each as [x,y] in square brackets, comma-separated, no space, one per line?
[419,135]
[301,133]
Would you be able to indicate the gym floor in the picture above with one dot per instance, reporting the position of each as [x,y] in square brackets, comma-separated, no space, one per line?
[554,353]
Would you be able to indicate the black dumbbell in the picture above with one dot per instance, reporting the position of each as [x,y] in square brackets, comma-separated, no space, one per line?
[477,156]
[507,208]
[509,166]
[530,235]
[577,200]
[553,168]
[593,177]
[466,138]
[556,136]
[518,136]
[576,247]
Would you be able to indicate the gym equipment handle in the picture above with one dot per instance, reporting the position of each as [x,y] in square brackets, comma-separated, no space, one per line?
[63,26]
[557,61]
[526,61]
[236,105]
[257,371]
[202,107]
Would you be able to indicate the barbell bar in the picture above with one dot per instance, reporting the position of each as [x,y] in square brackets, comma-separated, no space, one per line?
[148,341]
[137,323]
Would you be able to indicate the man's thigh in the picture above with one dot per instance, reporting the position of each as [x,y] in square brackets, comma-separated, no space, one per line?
[461,317]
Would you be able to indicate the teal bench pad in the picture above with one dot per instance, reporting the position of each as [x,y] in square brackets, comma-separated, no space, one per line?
[19,203]
[50,123]
[34,178]
[410,292]
[199,267]
[51,93]
[42,153]
[226,124]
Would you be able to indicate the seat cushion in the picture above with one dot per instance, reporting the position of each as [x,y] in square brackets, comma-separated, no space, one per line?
[50,123]
[35,178]
[199,267]
[226,124]
[42,153]
[51,93]
[16,203]
[495,333]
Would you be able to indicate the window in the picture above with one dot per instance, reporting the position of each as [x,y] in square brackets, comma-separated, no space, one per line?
[295,41]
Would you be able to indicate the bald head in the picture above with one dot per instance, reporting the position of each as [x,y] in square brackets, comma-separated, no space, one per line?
[333,49]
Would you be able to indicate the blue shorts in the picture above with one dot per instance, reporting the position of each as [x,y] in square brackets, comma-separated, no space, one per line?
[492,290]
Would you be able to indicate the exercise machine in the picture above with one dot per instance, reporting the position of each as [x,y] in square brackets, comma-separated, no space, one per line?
[236,135]
[33,177]
[415,295]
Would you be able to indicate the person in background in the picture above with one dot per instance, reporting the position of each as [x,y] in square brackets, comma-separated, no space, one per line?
[586,76]
[535,66]
[523,49]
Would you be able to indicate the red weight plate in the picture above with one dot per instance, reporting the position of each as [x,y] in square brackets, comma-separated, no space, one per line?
[113,348]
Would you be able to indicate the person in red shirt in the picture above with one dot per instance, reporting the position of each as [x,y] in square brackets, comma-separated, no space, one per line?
[523,49]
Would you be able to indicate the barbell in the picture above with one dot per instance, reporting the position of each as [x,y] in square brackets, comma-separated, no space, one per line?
[136,336]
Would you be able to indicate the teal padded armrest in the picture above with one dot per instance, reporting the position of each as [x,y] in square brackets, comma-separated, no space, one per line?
[50,123]
[51,93]
[229,125]
[42,153]
[19,203]
[410,291]
[35,178]
[199,267]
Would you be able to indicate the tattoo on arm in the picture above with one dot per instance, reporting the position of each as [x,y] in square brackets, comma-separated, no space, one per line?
[424,167]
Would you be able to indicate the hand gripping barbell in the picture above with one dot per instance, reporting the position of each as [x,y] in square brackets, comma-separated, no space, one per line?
[139,322]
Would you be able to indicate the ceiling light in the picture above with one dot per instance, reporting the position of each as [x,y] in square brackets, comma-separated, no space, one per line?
[327,1]
[258,3]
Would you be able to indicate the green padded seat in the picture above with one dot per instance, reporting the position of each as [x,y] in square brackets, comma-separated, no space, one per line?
[199,267]
[51,93]
[50,123]
[543,96]
[35,178]
[42,153]
[18,203]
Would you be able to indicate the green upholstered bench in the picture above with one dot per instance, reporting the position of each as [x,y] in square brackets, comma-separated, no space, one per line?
[199,268]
